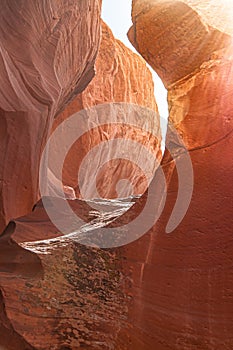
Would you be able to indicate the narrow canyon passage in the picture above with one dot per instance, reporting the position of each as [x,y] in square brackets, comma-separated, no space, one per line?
[147,289]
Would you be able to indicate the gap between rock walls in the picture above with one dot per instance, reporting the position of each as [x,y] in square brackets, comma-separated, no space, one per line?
[117,14]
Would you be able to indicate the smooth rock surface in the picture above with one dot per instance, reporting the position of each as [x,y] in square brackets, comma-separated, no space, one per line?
[48,50]
[182,285]
[164,291]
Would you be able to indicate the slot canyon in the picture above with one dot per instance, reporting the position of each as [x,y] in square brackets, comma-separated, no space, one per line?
[106,241]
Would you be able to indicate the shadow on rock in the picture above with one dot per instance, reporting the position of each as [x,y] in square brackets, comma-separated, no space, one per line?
[16,260]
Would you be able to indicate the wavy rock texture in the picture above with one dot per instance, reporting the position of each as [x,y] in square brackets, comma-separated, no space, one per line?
[58,294]
[182,287]
[48,50]
[121,76]
[163,291]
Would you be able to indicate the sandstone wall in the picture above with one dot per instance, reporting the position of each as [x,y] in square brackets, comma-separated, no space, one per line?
[182,296]
[48,50]
[121,77]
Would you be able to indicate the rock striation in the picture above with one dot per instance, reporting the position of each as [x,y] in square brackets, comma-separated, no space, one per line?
[164,291]
[48,50]
[59,295]
[182,286]
[203,31]
[121,77]
[55,293]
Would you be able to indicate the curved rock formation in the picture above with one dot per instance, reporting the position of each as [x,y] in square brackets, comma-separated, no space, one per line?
[164,291]
[175,50]
[182,285]
[70,294]
[47,56]
[121,76]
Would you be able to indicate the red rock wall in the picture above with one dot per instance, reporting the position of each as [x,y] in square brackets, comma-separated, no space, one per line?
[175,50]
[67,297]
[47,56]
[121,76]
[71,296]
[165,291]
[182,282]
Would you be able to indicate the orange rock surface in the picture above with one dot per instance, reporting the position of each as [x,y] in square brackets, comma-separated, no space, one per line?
[182,287]
[43,305]
[164,291]
[121,76]
[65,297]
[47,56]
[176,37]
